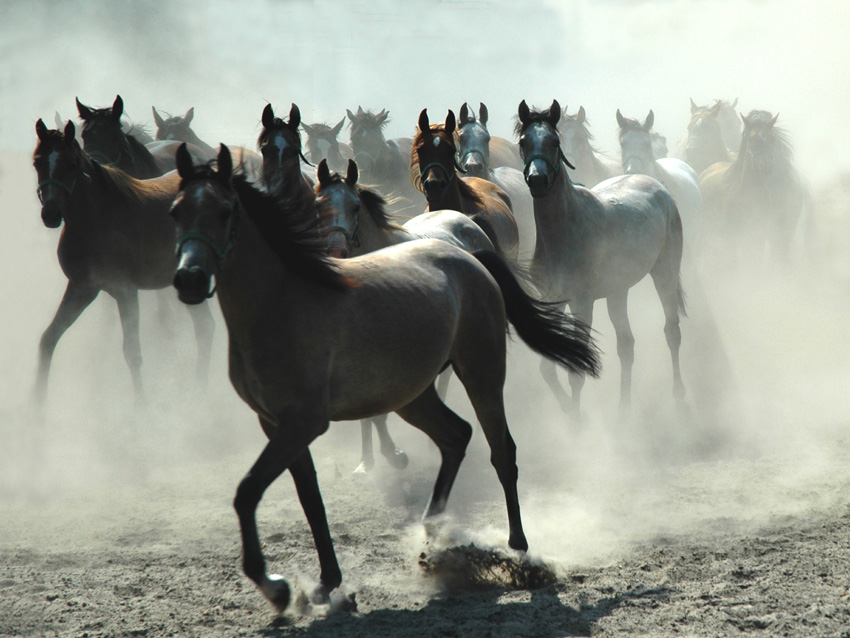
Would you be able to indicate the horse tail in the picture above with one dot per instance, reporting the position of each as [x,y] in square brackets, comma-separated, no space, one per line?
[543,326]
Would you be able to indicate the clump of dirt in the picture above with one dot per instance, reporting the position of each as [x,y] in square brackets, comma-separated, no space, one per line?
[471,567]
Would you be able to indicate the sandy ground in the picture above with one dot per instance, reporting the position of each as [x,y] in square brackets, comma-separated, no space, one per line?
[734,520]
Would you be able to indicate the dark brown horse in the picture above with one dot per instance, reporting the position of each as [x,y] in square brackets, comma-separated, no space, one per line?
[433,170]
[756,201]
[383,163]
[117,237]
[280,146]
[315,339]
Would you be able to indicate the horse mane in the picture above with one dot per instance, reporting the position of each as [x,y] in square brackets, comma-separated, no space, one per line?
[120,185]
[368,119]
[288,224]
[629,124]
[535,116]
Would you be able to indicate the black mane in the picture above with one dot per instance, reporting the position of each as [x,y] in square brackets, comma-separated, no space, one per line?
[534,116]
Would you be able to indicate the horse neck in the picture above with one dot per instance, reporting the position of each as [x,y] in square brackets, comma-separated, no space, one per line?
[453,199]
[556,217]
[373,237]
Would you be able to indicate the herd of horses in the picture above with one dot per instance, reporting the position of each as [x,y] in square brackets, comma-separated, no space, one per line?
[351,276]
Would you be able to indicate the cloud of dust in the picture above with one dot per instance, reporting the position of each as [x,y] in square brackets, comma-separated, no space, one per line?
[764,357]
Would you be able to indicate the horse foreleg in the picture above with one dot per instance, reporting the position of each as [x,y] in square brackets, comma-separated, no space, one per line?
[202,320]
[367,458]
[285,449]
[451,435]
[128,310]
[618,312]
[76,299]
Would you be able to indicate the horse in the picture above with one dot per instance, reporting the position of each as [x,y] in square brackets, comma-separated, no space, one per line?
[704,144]
[117,237]
[591,167]
[597,243]
[105,141]
[433,171]
[171,131]
[478,152]
[322,143]
[357,223]
[757,199]
[280,145]
[315,339]
[727,120]
[384,163]
[677,177]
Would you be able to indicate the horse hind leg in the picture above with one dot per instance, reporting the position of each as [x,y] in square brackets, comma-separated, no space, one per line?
[669,290]
[618,312]
[395,456]
[128,309]
[75,300]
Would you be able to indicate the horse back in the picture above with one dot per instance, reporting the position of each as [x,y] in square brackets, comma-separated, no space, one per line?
[493,212]
[504,153]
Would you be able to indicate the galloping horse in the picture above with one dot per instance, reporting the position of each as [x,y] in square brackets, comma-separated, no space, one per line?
[179,129]
[280,146]
[598,243]
[105,141]
[677,177]
[478,153]
[322,143]
[357,223]
[704,145]
[384,163]
[727,120]
[757,199]
[433,164]
[314,339]
[117,237]
[591,166]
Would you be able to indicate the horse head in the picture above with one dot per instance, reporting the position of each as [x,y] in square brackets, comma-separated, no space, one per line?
[636,144]
[103,137]
[474,141]
[173,127]
[338,207]
[280,145]
[434,156]
[763,145]
[206,213]
[59,164]
[540,146]
[323,142]
[367,136]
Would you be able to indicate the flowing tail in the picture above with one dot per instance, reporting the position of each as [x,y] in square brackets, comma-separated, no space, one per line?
[543,326]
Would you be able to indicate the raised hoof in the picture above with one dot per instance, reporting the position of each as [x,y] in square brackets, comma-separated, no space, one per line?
[397,459]
[276,589]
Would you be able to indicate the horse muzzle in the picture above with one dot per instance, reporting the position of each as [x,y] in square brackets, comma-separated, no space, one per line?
[337,245]
[51,215]
[538,181]
[473,166]
[194,273]
[633,167]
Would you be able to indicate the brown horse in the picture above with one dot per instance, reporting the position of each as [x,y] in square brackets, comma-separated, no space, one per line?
[705,145]
[756,201]
[315,339]
[117,237]
[280,145]
[591,166]
[433,170]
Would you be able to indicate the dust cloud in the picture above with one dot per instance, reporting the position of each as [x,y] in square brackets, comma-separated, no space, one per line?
[765,354]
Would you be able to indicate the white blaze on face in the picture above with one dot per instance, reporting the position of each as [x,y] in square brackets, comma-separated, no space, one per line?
[51,163]
[436,142]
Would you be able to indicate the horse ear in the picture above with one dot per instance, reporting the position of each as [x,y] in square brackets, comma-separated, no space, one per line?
[554,113]
[84,111]
[424,124]
[649,121]
[307,128]
[118,107]
[336,129]
[383,115]
[294,116]
[715,109]
[225,163]
[189,115]
[268,116]
[523,112]
[350,115]
[160,123]
[41,129]
[464,114]
[351,176]
[581,115]
[359,110]
[183,161]
[57,119]
[621,121]
[694,107]
[70,132]
[323,173]
[482,113]
[744,120]
[734,104]
[450,122]
[773,121]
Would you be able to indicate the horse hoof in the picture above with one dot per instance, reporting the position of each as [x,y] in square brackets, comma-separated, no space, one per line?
[363,468]
[276,589]
[397,459]
[518,543]
[321,596]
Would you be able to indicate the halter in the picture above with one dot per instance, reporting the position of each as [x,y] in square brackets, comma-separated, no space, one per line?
[466,155]
[55,182]
[554,166]
[450,175]
[352,237]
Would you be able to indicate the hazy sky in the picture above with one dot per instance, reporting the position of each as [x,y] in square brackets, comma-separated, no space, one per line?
[227,59]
